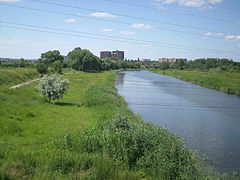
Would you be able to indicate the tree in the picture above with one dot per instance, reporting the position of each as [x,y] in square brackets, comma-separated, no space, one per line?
[181,64]
[42,68]
[57,67]
[21,62]
[84,60]
[164,65]
[52,87]
[51,56]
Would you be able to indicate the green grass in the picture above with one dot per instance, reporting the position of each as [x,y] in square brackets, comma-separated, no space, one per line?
[224,81]
[12,76]
[89,134]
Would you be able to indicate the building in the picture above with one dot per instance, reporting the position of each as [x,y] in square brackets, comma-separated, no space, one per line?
[146,60]
[163,60]
[179,59]
[65,58]
[115,54]
[174,60]
[118,55]
[105,54]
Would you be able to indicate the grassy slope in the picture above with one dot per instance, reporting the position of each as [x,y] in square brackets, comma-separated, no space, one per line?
[68,140]
[225,81]
[12,76]
[26,120]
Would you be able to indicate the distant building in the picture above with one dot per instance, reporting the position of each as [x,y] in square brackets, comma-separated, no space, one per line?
[181,59]
[163,60]
[65,58]
[146,60]
[105,54]
[174,60]
[118,55]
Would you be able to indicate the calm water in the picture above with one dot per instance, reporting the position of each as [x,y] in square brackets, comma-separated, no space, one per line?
[209,120]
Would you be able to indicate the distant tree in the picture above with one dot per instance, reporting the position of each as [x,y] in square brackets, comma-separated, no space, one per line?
[41,67]
[21,63]
[164,65]
[51,56]
[57,67]
[52,87]
[181,64]
[84,60]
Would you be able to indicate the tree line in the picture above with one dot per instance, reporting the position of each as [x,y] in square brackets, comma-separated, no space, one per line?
[83,60]
[204,65]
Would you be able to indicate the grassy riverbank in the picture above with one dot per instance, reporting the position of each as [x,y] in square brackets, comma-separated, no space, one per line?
[12,76]
[89,134]
[224,81]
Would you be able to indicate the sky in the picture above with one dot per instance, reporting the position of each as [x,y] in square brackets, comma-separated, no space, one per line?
[142,28]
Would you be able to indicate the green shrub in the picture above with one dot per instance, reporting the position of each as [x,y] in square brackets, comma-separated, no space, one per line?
[42,68]
[139,146]
[57,67]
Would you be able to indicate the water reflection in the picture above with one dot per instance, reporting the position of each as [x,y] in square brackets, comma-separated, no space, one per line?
[209,120]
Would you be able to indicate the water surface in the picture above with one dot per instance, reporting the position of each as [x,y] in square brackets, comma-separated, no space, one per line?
[209,120]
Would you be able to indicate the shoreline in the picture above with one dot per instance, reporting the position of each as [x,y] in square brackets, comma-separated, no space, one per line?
[204,79]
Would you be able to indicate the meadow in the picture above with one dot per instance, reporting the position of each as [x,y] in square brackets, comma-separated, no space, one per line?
[228,82]
[89,134]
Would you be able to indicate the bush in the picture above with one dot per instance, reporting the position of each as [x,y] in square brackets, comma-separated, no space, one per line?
[139,146]
[52,87]
[42,68]
[57,67]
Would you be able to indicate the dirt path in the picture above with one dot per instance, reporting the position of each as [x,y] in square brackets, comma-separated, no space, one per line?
[24,83]
[31,81]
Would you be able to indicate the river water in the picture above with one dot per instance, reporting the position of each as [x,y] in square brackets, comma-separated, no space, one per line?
[209,120]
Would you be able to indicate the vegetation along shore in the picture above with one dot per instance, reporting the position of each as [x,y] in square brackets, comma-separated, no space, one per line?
[224,81]
[89,134]
[219,74]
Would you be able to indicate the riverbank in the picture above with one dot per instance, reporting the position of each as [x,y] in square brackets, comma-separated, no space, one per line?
[89,134]
[224,81]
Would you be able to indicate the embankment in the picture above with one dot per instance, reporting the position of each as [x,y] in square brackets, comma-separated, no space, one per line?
[224,81]
[89,134]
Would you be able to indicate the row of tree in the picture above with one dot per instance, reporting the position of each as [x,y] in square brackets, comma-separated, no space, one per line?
[83,60]
[80,60]
[21,63]
[205,65]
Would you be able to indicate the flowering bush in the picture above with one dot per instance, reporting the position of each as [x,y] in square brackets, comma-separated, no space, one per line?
[52,87]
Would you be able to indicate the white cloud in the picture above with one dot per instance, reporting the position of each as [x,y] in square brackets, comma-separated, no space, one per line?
[147,45]
[10,0]
[70,20]
[232,37]
[127,32]
[188,3]
[215,1]
[215,34]
[107,30]
[102,14]
[141,26]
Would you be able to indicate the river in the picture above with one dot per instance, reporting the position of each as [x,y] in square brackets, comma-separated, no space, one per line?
[209,120]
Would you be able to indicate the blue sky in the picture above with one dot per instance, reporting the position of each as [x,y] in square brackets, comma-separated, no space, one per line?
[161,29]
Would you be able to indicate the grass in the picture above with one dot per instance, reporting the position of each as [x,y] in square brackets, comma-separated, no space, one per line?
[224,81]
[12,76]
[89,134]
